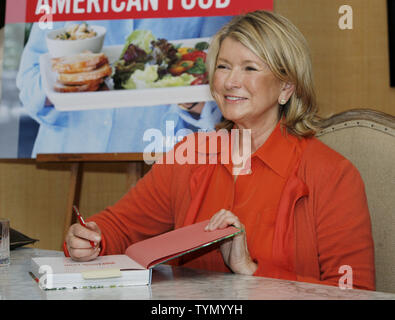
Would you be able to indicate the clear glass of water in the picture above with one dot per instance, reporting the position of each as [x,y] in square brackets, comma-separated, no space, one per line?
[4,242]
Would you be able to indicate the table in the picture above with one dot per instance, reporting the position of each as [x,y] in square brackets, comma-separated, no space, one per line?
[173,283]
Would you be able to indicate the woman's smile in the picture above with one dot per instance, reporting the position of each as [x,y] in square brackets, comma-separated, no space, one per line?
[234,99]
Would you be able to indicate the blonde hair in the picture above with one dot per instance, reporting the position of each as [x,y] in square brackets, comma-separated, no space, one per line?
[284,49]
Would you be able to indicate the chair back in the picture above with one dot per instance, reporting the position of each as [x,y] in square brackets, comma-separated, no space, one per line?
[367,139]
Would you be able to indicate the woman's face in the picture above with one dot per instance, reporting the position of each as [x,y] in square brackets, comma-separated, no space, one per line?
[245,89]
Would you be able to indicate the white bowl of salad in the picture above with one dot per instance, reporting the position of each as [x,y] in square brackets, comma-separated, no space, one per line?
[75,39]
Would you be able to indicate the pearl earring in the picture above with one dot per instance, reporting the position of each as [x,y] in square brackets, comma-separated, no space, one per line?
[283,101]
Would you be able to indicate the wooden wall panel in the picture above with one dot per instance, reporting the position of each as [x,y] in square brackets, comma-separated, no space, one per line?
[34,199]
[351,67]
[102,186]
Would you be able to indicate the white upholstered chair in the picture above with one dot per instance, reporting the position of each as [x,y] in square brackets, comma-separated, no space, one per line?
[367,139]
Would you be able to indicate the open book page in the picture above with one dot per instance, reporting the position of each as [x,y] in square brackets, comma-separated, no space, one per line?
[175,243]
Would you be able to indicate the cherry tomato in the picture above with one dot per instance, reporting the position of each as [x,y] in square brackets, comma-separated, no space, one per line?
[180,67]
[194,55]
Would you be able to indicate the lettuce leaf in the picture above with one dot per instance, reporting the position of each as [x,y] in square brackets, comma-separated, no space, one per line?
[142,78]
[148,78]
[174,81]
[141,39]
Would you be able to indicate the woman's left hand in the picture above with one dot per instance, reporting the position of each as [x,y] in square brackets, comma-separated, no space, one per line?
[234,250]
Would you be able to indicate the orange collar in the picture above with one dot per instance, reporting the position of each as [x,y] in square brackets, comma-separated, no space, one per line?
[278,150]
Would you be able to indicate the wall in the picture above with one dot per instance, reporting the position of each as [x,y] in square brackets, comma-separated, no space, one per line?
[34,197]
[351,71]
[351,67]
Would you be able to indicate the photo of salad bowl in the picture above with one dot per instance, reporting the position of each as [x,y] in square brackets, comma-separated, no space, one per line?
[75,39]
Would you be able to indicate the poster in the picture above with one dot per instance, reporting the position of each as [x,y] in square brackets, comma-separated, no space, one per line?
[98,76]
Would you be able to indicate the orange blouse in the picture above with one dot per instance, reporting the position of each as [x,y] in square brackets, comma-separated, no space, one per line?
[253,197]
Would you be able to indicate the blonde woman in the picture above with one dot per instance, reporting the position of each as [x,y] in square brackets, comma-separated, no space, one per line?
[302,206]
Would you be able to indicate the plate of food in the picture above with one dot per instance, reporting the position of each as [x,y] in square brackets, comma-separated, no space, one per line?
[144,71]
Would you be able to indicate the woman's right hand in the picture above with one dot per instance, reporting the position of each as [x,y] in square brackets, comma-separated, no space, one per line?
[77,241]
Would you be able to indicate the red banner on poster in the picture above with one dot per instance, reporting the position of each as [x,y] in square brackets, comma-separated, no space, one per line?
[69,10]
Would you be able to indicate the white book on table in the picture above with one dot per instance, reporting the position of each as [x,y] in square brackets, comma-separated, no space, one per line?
[104,271]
